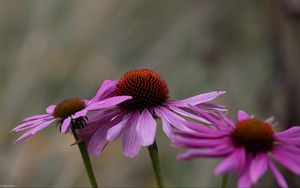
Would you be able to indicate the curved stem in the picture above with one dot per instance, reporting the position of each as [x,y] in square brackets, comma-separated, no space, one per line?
[153,151]
[224,181]
[86,160]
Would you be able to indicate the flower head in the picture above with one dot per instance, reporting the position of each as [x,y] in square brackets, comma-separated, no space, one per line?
[134,119]
[68,111]
[249,146]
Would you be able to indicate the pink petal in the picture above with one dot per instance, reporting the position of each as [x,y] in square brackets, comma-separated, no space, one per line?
[115,131]
[289,161]
[258,167]
[80,113]
[98,142]
[210,118]
[198,143]
[171,117]
[244,180]
[291,132]
[167,128]
[232,163]
[190,115]
[278,176]
[65,125]
[206,97]
[108,103]
[242,115]
[131,141]
[29,124]
[36,117]
[35,130]
[50,109]
[146,128]
[106,88]
[194,153]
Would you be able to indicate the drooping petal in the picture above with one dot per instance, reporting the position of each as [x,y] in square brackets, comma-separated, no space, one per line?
[291,132]
[187,114]
[210,118]
[167,128]
[146,128]
[108,103]
[131,141]
[242,115]
[199,143]
[288,161]
[234,162]
[35,130]
[198,99]
[115,131]
[210,152]
[65,125]
[106,88]
[29,124]
[50,109]
[244,180]
[278,176]
[80,113]
[36,117]
[98,141]
[171,117]
[258,166]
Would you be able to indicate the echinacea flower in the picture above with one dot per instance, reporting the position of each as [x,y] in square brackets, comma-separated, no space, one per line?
[70,111]
[134,119]
[249,146]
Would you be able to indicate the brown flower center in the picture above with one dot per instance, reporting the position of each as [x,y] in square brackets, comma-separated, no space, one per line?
[145,86]
[68,107]
[254,135]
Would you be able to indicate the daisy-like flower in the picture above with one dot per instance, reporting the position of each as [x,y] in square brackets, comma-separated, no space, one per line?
[249,146]
[70,111]
[134,119]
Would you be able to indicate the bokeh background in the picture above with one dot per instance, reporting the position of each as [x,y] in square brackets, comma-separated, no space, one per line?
[53,49]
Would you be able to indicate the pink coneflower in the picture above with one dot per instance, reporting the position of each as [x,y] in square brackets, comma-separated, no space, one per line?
[249,146]
[70,111]
[134,119]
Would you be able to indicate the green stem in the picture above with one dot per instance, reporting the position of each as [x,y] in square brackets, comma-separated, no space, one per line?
[153,151]
[86,160]
[224,181]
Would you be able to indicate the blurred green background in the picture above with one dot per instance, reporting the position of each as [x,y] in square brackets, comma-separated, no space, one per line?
[51,50]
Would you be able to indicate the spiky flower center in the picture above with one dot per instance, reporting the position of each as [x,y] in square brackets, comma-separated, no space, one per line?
[254,135]
[68,107]
[146,87]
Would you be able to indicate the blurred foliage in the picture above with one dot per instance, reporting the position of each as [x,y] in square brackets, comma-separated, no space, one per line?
[52,49]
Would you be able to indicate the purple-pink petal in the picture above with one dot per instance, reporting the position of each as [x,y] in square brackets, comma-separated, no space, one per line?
[115,131]
[234,162]
[65,125]
[50,109]
[290,162]
[36,117]
[198,99]
[98,141]
[278,176]
[187,114]
[131,141]
[106,88]
[242,115]
[258,166]
[35,130]
[146,128]
[108,103]
[291,132]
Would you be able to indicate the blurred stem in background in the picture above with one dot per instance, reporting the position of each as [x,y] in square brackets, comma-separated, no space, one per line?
[224,181]
[85,158]
[153,151]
